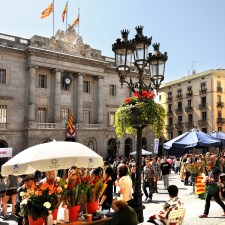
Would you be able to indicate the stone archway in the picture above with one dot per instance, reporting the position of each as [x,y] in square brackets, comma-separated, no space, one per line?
[128,147]
[144,143]
[111,148]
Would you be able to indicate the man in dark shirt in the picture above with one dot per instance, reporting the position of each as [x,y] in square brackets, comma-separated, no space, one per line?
[165,167]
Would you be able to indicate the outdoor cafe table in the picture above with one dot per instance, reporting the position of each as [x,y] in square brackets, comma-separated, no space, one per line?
[96,222]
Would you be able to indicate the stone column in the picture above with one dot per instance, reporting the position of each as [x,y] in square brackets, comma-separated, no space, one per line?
[100,99]
[31,93]
[80,98]
[57,105]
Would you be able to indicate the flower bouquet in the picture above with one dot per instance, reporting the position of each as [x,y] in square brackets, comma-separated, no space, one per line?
[194,168]
[140,110]
[72,189]
[38,200]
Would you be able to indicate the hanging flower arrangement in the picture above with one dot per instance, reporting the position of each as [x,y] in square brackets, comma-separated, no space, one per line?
[140,110]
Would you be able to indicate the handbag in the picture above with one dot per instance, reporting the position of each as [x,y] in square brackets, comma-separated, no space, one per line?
[2,186]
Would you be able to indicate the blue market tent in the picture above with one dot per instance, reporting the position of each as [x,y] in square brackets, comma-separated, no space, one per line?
[143,152]
[219,135]
[193,138]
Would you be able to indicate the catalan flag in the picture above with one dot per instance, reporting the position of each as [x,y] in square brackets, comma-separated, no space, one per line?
[64,12]
[76,21]
[47,11]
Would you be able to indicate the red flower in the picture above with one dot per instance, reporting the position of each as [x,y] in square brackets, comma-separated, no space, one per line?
[127,100]
[137,94]
[70,186]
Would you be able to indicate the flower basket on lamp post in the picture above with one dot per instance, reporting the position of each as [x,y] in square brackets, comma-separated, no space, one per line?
[140,110]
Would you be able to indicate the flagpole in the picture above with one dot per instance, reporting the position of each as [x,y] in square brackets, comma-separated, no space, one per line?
[67,8]
[53,16]
[78,20]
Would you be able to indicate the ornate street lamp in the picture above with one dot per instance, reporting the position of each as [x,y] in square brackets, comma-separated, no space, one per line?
[124,49]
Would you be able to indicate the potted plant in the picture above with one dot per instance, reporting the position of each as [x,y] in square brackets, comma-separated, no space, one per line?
[140,110]
[93,189]
[72,194]
[39,200]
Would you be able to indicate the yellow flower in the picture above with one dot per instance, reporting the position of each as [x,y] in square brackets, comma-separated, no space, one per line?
[47,205]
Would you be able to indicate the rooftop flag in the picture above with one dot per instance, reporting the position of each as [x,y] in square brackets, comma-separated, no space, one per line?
[76,21]
[64,12]
[47,11]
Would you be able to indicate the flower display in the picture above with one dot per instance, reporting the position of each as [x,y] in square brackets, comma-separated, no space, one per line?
[140,110]
[194,168]
[93,188]
[38,200]
[72,188]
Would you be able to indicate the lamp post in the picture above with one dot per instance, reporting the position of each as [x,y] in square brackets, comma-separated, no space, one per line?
[124,49]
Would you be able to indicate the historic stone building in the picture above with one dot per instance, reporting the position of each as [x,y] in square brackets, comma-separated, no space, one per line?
[194,101]
[43,80]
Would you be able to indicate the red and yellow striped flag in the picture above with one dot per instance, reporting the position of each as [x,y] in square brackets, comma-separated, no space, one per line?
[64,12]
[76,21]
[47,11]
[70,123]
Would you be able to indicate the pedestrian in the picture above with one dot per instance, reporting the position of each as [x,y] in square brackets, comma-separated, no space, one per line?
[177,165]
[156,176]
[148,180]
[133,174]
[165,167]
[2,189]
[212,190]
[125,185]
[107,197]
[28,182]
[173,203]
[124,214]
[11,192]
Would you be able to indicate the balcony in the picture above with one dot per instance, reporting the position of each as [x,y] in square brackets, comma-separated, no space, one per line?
[179,96]
[169,127]
[170,98]
[3,126]
[202,106]
[203,122]
[189,109]
[220,104]
[190,124]
[189,94]
[203,91]
[46,125]
[91,126]
[179,110]
[169,112]
[219,89]
[179,125]
[221,121]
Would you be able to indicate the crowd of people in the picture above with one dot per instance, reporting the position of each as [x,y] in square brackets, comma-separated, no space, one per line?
[120,176]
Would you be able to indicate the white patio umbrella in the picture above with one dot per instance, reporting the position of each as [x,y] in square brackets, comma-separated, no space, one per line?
[52,156]
[143,152]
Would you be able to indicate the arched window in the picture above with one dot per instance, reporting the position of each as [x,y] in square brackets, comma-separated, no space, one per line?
[92,144]
[144,143]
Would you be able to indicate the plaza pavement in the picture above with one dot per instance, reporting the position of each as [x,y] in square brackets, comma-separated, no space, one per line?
[194,205]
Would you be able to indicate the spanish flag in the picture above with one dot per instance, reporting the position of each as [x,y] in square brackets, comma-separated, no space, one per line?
[64,12]
[47,11]
[76,21]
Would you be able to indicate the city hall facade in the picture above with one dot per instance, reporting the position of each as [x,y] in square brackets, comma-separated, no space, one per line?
[43,80]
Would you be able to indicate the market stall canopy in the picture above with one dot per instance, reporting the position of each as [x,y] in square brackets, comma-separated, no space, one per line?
[52,156]
[193,138]
[219,135]
[143,152]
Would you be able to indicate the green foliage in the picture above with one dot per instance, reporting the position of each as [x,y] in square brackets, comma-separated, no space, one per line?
[139,111]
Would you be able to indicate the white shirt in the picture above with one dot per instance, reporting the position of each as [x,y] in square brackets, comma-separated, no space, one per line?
[126,183]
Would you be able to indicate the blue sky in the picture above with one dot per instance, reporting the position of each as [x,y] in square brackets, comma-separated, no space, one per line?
[191,31]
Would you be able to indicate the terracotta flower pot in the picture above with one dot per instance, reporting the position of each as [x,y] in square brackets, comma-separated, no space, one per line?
[39,221]
[73,212]
[91,207]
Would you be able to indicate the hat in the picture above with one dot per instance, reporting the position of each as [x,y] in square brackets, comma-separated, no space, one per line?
[28,177]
